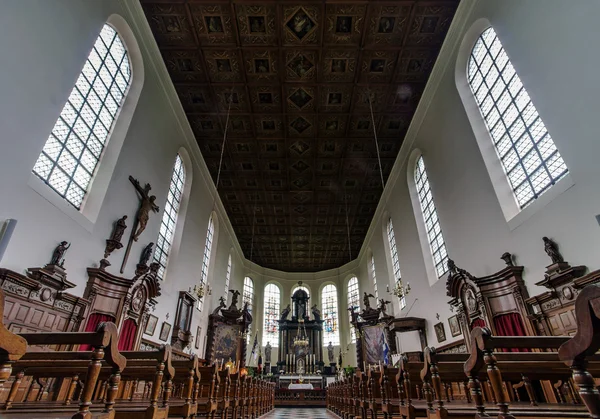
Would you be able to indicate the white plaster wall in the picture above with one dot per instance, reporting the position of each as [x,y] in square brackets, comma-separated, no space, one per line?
[547,42]
[44,45]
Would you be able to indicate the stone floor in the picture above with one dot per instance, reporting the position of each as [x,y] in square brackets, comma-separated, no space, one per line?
[299,413]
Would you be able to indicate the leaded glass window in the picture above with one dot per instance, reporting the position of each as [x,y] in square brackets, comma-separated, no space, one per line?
[373,276]
[353,301]
[73,150]
[430,216]
[529,156]
[300,287]
[329,305]
[169,218]
[227,278]
[248,293]
[272,299]
[210,231]
[395,260]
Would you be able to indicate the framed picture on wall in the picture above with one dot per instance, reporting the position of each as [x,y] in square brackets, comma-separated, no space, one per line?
[440,333]
[151,325]
[165,331]
[198,332]
[454,326]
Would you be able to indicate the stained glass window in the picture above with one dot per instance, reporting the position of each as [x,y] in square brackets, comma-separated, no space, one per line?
[272,300]
[169,218]
[210,231]
[300,287]
[432,222]
[73,150]
[353,301]
[373,276]
[227,278]
[395,260]
[329,304]
[248,293]
[530,159]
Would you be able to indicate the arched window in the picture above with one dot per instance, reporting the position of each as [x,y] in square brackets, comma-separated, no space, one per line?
[353,301]
[329,304]
[373,275]
[73,150]
[395,260]
[430,217]
[529,157]
[272,300]
[248,293]
[169,218]
[210,231]
[227,279]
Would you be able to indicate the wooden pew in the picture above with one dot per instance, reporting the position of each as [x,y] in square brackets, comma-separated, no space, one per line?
[152,367]
[12,346]
[85,366]
[188,376]
[207,389]
[577,352]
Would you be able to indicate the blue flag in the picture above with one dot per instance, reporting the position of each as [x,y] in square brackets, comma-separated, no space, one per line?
[386,350]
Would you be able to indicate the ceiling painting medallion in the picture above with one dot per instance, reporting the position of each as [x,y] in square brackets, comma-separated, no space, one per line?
[301,25]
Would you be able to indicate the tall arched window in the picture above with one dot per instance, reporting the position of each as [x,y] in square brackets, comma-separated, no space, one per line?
[353,301]
[430,217]
[272,299]
[395,260]
[73,150]
[248,292]
[210,231]
[227,279]
[300,287]
[329,305]
[373,275]
[169,218]
[530,159]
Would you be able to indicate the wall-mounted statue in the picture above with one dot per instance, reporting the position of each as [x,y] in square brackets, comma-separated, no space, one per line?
[551,249]
[235,294]
[58,256]
[146,254]
[330,354]
[286,312]
[146,205]
[316,312]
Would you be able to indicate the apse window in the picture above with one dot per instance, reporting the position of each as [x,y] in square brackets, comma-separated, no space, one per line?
[169,219]
[373,276]
[227,279]
[74,148]
[528,154]
[272,300]
[353,302]
[430,217]
[329,304]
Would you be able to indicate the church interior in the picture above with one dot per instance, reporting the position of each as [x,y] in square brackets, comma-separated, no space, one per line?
[299,208]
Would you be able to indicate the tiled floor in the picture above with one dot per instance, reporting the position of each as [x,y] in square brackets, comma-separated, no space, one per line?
[299,413]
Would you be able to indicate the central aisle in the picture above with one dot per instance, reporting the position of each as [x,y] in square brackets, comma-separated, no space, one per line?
[299,413]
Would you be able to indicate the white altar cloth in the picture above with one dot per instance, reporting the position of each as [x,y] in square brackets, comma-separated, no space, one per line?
[300,386]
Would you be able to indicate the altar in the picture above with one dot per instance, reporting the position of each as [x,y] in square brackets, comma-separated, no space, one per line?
[308,357]
[301,386]
[300,382]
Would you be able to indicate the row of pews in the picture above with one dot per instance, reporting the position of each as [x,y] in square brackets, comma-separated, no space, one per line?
[42,377]
[503,377]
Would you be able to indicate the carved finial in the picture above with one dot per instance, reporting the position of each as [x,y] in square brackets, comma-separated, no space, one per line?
[59,253]
[507,258]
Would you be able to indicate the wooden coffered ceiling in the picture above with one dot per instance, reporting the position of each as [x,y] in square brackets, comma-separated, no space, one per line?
[300,177]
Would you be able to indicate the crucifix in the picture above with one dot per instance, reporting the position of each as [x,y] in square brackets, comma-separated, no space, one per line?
[143,215]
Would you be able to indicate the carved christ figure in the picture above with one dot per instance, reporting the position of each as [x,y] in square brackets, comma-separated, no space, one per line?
[146,205]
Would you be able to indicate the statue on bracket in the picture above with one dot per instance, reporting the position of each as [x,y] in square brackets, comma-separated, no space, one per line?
[330,354]
[142,266]
[58,256]
[551,249]
[220,306]
[286,312]
[316,312]
[114,242]
[234,299]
